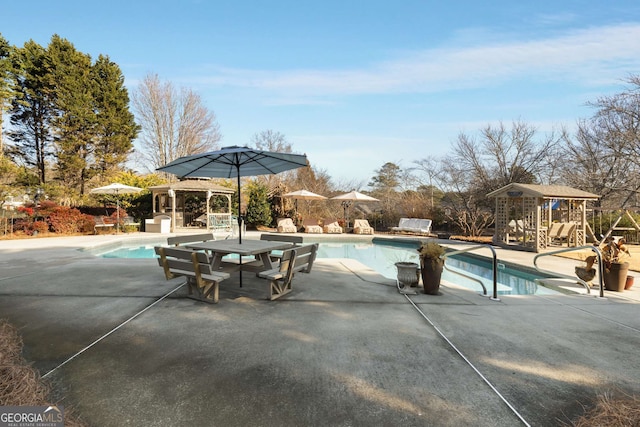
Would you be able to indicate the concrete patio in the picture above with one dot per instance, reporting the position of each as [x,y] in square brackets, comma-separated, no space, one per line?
[343,349]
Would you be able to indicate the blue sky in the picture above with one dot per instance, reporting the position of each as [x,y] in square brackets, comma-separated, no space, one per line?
[357,84]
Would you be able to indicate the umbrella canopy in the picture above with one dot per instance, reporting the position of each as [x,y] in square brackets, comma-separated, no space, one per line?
[353,196]
[303,195]
[117,189]
[229,162]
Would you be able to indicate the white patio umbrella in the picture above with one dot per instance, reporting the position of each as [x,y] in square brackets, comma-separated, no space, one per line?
[116,188]
[350,197]
[303,195]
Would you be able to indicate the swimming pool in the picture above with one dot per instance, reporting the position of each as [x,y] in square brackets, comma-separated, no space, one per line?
[382,256]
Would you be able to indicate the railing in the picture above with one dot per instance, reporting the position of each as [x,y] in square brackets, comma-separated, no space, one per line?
[225,222]
[564,276]
[220,221]
[494,264]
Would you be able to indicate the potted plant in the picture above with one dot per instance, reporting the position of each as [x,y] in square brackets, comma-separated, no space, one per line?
[431,266]
[615,270]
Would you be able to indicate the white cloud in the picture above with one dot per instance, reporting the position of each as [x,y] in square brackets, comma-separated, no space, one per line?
[586,56]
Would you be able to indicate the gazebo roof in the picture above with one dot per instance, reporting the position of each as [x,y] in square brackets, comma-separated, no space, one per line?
[193,185]
[544,191]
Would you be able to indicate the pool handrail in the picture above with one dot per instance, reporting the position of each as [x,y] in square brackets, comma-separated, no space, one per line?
[565,276]
[494,267]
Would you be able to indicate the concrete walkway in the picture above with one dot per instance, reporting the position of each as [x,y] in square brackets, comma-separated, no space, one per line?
[343,349]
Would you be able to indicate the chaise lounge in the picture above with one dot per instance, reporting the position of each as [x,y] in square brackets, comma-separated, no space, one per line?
[332,227]
[286,225]
[311,226]
[361,226]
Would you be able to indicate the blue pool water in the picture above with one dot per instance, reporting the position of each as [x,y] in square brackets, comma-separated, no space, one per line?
[382,258]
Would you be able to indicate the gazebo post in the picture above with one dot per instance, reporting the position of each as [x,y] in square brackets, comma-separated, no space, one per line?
[172,194]
[209,194]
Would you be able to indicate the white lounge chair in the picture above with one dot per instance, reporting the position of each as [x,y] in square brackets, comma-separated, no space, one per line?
[286,225]
[332,227]
[311,226]
[361,226]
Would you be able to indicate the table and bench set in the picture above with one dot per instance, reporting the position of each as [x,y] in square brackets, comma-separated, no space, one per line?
[205,262]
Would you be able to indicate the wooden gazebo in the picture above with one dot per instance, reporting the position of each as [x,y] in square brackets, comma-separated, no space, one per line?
[171,199]
[532,217]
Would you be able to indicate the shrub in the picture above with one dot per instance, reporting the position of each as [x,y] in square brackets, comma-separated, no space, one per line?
[68,220]
[39,227]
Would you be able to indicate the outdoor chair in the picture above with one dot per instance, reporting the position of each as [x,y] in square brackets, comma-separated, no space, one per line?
[332,227]
[554,231]
[286,225]
[102,223]
[565,234]
[361,226]
[311,226]
[297,259]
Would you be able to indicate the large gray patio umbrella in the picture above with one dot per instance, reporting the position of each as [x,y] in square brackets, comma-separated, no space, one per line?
[229,162]
[303,195]
[352,196]
[116,189]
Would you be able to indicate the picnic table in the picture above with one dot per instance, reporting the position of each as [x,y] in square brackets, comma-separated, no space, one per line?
[256,253]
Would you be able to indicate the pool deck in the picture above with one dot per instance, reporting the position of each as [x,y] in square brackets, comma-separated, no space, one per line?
[345,348]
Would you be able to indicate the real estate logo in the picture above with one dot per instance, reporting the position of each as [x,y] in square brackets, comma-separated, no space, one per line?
[31,416]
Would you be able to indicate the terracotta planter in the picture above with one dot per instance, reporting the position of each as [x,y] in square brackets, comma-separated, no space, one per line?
[615,277]
[431,273]
[629,283]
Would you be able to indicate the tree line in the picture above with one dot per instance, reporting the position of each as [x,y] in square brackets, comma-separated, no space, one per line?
[69,115]
[71,126]
[602,157]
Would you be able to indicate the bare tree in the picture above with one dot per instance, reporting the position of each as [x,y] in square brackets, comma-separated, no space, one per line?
[479,165]
[463,203]
[269,140]
[174,123]
[605,153]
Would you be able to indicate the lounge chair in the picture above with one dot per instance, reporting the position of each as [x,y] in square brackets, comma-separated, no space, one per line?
[286,225]
[311,226]
[554,231]
[516,226]
[361,226]
[332,227]
[565,233]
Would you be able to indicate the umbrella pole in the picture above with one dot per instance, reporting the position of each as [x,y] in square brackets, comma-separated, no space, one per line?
[117,212]
[239,216]
[239,223]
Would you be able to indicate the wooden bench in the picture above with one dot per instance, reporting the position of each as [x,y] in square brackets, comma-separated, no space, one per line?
[130,222]
[195,266]
[296,259]
[296,240]
[101,223]
[191,238]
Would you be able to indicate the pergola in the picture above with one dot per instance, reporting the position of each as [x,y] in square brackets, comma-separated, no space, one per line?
[532,217]
[170,199]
